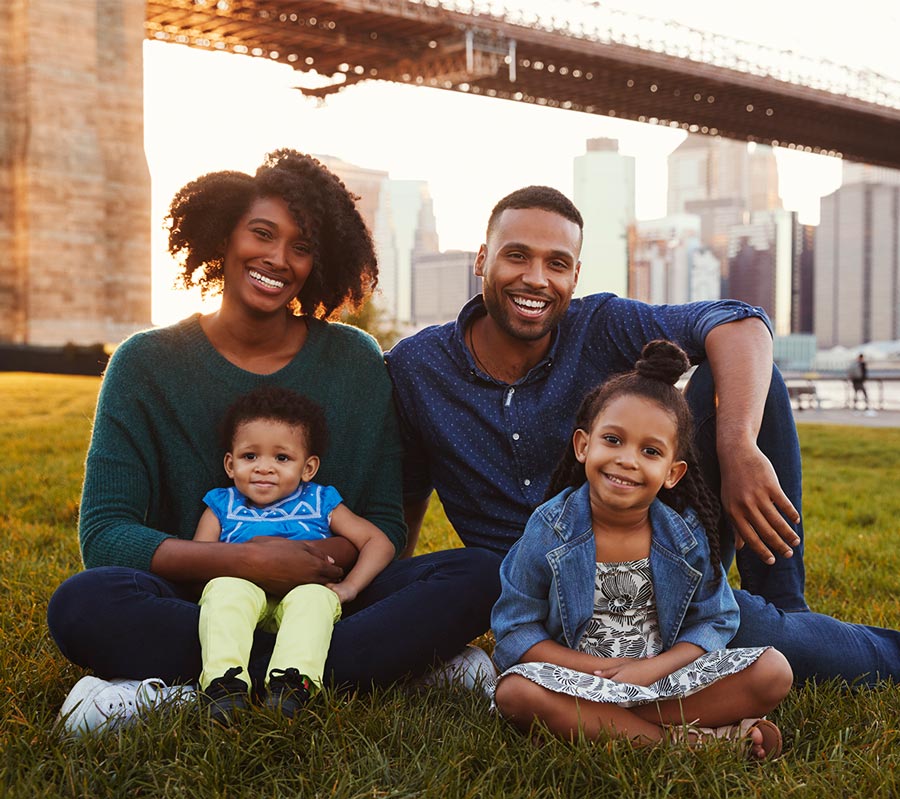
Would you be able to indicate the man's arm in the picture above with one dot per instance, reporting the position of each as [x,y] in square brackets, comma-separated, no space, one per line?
[414,512]
[740,355]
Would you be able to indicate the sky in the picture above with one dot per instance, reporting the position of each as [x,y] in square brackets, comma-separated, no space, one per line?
[206,111]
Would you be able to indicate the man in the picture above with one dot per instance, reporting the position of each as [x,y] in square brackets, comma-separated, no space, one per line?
[858,374]
[486,406]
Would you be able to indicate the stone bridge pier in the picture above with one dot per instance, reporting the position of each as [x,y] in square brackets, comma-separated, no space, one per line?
[74,184]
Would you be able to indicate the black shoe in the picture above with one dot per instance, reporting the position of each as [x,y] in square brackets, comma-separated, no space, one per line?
[288,691]
[225,696]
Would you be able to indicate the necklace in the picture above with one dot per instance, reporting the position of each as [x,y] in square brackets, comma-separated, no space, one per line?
[478,362]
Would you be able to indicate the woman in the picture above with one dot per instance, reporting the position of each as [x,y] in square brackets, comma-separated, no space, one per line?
[288,250]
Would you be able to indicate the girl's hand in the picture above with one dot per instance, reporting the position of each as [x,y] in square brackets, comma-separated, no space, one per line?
[346,593]
[637,671]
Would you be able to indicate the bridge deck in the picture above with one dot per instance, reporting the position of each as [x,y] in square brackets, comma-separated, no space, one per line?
[426,44]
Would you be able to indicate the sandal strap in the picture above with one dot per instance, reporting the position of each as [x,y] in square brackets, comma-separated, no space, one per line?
[738,733]
[688,733]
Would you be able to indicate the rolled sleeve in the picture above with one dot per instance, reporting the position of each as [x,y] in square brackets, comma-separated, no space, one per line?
[713,616]
[725,311]
[622,327]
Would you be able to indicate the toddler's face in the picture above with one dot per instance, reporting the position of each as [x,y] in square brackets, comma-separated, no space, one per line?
[268,460]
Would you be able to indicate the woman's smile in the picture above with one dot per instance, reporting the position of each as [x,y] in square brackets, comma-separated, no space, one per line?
[266,281]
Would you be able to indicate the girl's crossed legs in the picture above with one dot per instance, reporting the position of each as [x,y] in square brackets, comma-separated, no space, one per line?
[750,693]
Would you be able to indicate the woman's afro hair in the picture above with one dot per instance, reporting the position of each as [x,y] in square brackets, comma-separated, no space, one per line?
[203,214]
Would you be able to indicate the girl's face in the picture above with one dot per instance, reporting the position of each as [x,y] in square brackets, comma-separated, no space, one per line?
[267,257]
[629,454]
[269,460]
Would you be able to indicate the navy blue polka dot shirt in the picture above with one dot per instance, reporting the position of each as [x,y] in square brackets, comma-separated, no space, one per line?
[489,448]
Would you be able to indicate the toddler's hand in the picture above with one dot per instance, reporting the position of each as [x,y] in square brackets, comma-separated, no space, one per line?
[346,593]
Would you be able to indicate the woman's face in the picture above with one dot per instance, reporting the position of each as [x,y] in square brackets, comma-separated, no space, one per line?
[267,257]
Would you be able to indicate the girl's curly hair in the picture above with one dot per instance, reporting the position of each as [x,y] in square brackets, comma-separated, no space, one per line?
[203,214]
[654,377]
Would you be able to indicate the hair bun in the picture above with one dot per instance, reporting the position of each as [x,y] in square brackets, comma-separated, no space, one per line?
[662,360]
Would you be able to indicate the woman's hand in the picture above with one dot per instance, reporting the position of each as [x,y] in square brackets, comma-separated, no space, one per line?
[275,564]
[278,565]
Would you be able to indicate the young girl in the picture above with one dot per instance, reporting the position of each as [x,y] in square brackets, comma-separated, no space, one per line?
[615,611]
[274,438]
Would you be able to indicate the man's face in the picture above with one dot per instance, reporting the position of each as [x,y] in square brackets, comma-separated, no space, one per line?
[530,267]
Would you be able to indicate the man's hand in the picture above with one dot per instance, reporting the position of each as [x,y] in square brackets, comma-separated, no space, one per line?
[740,354]
[752,498]
[277,565]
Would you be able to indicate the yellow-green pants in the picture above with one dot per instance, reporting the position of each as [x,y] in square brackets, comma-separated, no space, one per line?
[232,608]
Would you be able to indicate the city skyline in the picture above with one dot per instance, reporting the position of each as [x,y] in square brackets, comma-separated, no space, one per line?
[210,111]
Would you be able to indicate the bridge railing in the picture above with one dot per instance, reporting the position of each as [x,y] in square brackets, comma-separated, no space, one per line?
[594,22]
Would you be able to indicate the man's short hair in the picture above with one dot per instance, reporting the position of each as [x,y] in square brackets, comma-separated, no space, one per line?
[544,198]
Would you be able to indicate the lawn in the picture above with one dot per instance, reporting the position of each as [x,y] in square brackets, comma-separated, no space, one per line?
[440,743]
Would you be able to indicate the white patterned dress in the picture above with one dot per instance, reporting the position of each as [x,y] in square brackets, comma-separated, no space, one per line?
[625,624]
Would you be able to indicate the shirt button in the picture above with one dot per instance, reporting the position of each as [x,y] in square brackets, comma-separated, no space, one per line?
[528,482]
[515,436]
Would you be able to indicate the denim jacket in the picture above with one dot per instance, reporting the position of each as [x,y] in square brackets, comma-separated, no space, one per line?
[547,581]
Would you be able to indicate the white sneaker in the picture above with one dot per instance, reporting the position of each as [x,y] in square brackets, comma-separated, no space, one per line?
[471,669]
[95,704]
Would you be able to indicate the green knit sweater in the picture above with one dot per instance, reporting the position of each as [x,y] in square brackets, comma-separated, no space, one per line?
[155,448]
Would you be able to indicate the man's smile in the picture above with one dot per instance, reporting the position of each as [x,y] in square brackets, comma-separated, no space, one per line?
[529,306]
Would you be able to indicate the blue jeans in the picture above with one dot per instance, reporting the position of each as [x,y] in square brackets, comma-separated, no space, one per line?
[121,622]
[773,608]
[126,623]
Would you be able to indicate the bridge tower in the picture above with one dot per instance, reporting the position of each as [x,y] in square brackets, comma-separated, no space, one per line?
[74,183]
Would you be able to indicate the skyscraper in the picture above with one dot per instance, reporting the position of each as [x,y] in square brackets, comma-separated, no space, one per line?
[400,215]
[761,263]
[670,264]
[857,270]
[604,193]
[722,181]
[441,284]
[374,204]
[415,233]
[803,280]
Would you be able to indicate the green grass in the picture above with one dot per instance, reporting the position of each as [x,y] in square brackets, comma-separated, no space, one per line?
[444,744]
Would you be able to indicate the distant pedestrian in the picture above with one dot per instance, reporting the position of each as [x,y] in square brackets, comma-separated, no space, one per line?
[858,373]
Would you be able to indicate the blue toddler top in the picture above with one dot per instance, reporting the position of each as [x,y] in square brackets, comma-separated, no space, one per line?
[303,515]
